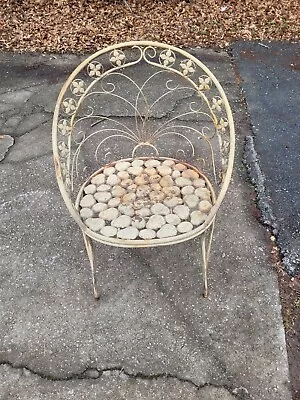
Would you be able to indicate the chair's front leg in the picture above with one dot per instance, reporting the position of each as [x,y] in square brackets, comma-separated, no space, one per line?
[90,253]
[210,237]
[204,265]
[205,256]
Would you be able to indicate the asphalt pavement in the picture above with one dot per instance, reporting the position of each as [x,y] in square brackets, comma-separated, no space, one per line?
[270,80]
[151,335]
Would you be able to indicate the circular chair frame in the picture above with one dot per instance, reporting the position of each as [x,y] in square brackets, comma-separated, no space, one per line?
[227,145]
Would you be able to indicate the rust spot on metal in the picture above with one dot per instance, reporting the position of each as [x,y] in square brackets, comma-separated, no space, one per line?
[56,163]
[57,169]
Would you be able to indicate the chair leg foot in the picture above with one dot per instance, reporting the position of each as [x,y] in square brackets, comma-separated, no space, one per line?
[90,253]
[96,293]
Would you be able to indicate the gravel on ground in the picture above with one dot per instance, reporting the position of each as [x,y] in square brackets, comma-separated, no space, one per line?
[76,26]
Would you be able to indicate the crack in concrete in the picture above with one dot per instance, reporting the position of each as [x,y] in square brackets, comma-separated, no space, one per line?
[48,154]
[164,114]
[290,260]
[6,142]
[23,125]
[240,393]
[251,161]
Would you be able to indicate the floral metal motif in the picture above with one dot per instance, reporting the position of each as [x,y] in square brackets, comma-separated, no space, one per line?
[204,83]
[95,69]
[188,67]
[217,103]
[69,106]
[78,87]
[117,57]
[63,127]
[222,125]
[167,58]
[64,152]
[63,149]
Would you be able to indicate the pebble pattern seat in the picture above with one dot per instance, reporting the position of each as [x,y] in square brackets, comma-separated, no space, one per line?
[145,199]
[143,143]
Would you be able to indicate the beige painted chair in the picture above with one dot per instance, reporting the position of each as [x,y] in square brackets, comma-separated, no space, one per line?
[143,143]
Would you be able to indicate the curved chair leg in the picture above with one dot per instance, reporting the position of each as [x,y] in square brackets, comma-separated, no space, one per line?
[90,253]
[205,257]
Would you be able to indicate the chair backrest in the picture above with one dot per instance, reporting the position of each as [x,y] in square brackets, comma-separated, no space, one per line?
[141,99]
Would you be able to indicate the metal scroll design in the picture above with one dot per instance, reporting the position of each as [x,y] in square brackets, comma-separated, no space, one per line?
[100,79]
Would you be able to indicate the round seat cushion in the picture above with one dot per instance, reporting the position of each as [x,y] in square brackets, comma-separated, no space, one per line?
[144,199]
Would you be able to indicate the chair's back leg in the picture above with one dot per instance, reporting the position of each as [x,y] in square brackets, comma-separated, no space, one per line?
[90,253]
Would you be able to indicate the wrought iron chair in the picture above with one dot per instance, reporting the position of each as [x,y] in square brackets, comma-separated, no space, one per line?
[143,143]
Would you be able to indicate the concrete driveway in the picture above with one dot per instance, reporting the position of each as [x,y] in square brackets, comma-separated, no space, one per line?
[151,335]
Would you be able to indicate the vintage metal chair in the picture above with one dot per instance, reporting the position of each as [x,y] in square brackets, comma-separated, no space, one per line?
[143,143]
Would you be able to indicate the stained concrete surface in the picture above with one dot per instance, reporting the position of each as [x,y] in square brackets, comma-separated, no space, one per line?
[151,335]
[270,78]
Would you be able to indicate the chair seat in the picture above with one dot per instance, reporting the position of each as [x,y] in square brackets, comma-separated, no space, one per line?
[145,202]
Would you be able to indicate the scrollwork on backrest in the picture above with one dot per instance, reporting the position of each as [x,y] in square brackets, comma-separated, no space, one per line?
[141,97]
